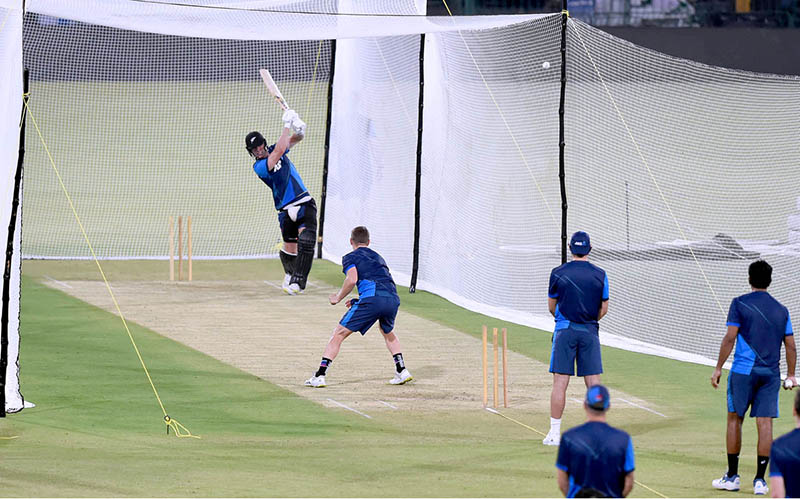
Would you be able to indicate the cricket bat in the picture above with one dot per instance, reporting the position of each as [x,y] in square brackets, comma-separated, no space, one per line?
[273,88]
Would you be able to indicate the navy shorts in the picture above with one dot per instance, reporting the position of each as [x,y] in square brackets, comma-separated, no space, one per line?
[758,391]
[365,311]
[576,343]
[306,217]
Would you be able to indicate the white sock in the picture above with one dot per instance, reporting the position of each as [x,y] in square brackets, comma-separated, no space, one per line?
[555,425]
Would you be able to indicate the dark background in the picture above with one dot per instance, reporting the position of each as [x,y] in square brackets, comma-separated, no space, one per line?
[766,39]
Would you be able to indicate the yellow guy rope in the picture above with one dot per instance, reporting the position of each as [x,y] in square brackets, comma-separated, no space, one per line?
[646,165]
[505,122]
[179,429]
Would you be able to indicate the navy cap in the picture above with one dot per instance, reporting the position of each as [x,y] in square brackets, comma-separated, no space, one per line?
[597,398]
[580,244]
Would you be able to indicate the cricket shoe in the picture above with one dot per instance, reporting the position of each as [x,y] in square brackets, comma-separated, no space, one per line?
[294,289]
[315,382]
[760,487]
[553,438]
[401,378]
[730,483]
[287,279]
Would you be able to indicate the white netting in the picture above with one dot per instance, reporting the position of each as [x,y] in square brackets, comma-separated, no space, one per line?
[490,196]
[143,127]
[372,171]
[10,108]
[665,155]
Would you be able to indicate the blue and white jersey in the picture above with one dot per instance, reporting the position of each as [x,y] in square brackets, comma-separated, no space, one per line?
[784,461]
[580,288]
[374,278]
[763,324]
[286,184]
[596,455]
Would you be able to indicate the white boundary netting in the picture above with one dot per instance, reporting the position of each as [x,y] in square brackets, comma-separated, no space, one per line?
[683,174]
[11,107]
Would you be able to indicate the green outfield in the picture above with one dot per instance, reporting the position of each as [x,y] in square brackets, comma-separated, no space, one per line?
[97,429]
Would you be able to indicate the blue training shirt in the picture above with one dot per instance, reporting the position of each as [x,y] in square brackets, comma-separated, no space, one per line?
[374,278]
[579,288]
[286,184]
[784,461]
[763,324]
[596,455]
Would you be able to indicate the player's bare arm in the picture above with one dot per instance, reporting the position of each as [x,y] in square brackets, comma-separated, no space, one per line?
[296,137]
[563,481]
[603,310]
[350,280]
[791,359]
[724,352]
[551,305]
[626,489]
[280,149]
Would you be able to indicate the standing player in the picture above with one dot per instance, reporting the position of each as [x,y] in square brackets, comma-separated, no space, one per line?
[784,471]
[595,459]
[377,301]
[297,211]
[758,324]
[577,298]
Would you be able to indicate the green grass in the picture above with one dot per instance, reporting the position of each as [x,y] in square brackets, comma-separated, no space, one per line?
[98,430]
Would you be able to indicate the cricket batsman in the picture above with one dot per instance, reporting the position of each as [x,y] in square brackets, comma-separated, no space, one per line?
[297,211]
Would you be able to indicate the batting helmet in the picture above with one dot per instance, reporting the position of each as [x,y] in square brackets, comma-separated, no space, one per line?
[253,140]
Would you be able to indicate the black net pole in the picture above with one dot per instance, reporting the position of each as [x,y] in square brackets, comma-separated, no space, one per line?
[324,192]
[561,142]
[415,265]
[12,224]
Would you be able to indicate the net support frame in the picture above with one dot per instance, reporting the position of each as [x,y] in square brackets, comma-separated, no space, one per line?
[561,131]
[327,147]
[12,223]
[412,288]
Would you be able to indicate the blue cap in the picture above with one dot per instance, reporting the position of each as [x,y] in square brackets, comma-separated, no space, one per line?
[580,244]
[597,398]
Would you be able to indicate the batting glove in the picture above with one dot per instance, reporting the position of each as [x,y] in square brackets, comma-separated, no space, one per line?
[288,117]
[299,126]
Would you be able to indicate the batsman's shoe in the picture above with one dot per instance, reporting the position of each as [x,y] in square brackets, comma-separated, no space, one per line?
[760,487]
[401,378]
[315,381]
[730,483]
[287,279]
[294,289]
[553,438]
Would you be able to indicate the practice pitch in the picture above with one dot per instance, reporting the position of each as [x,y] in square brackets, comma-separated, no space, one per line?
[254,326]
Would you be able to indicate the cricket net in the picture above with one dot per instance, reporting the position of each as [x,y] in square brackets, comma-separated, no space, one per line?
[681,173]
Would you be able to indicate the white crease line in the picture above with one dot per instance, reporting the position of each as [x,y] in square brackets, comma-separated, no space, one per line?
[350,409]
[642,407]
[388,404]
[64,284]
[274,285]
[576,400]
